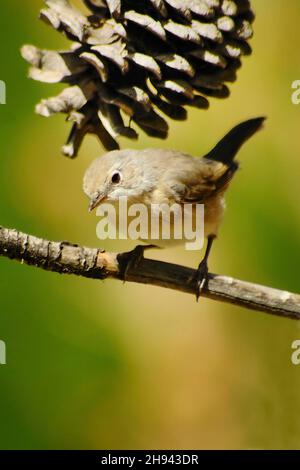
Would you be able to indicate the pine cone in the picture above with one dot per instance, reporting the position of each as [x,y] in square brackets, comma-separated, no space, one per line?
[144,59]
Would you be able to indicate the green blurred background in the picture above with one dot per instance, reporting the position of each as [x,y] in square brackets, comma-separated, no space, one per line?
[101,365]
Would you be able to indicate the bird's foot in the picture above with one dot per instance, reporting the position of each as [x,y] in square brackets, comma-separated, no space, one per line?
[131,260]
[201,278]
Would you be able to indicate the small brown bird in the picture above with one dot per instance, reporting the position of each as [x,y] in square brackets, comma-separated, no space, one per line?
[156,176]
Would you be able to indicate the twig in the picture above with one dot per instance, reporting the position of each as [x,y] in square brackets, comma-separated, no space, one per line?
[63,257]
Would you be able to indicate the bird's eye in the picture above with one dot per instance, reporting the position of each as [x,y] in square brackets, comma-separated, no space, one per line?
[116,178]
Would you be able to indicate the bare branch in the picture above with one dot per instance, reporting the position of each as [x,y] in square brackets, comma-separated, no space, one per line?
[63,257]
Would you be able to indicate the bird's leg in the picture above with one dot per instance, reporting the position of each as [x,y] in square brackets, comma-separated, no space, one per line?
[132,259]
[202,271]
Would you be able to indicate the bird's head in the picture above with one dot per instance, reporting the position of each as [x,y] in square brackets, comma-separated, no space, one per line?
[114,175]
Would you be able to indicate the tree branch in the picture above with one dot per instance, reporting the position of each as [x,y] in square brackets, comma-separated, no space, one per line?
[63,257]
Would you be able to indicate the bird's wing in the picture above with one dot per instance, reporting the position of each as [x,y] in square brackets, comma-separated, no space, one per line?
[200,181]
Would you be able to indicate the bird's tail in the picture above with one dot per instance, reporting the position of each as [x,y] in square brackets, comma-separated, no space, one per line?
[228,147]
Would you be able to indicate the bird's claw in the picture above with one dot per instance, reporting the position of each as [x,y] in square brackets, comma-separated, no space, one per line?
[132,259]
[201,278]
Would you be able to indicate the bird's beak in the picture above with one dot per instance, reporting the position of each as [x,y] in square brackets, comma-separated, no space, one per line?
[96,200]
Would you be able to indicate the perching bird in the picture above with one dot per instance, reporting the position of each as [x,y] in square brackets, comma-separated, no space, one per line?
[156,176]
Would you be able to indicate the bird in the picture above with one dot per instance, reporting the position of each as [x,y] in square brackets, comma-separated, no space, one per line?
[159,176]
